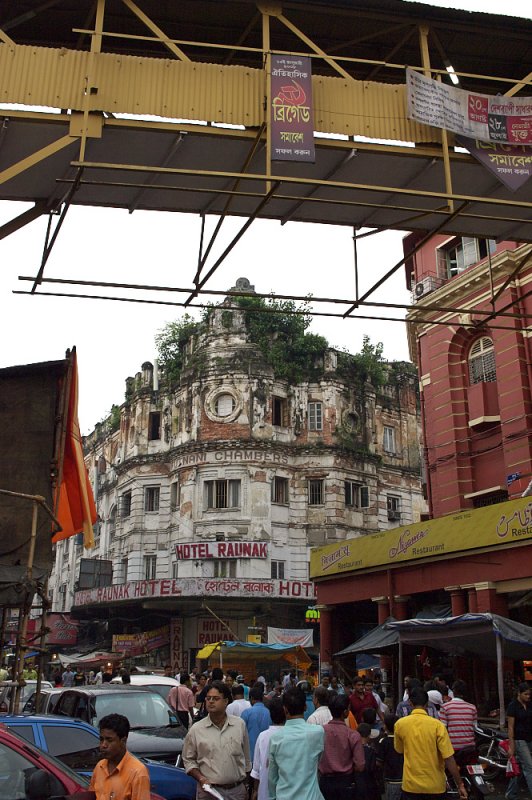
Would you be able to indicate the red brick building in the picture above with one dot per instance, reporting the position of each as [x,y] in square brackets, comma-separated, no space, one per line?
[470,337]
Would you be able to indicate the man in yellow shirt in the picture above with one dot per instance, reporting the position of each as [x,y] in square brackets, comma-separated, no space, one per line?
[427,751]
[119,775]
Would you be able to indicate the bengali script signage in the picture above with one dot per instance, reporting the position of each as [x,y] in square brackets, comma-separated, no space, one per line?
[136,644]
[207,550]
[490,118]
[196,587]
[512,164]
[294,636]
[292,128]
[501,524]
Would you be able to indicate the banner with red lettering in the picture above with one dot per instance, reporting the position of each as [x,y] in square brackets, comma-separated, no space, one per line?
[217,550]
[176,644]
[292,126]
[303,637]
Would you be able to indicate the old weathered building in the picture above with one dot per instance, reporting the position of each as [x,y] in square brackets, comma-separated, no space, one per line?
[212,489]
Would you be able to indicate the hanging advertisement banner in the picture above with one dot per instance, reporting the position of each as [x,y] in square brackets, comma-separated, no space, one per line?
[511,164]
[136,644]
[292,128]
[490,118]
[304,638]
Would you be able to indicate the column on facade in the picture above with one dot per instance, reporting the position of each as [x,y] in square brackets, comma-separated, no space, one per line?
[400,607]
[383,610]
[326,637]
[489,601]
[458,600]
[472,602]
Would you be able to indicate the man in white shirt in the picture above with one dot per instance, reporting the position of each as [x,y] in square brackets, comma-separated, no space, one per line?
[239,704]
[322,715]
[259,771]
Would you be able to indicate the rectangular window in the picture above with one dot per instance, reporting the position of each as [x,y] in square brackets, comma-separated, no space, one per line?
[462,253]
[315,492]
[154,426]
[356,495]
[174,496]
[174,570]
[151,498]
[388,441]
[222,494]
[124,570]
[277,570]
[125,505]
[150,567]
[393,505]
[279,411]
[315,416]
[280,490]
[225,568]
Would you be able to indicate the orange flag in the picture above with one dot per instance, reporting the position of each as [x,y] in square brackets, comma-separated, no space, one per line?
[75,509]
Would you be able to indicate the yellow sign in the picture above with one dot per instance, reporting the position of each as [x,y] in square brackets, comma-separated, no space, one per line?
[500,524]
[254,638]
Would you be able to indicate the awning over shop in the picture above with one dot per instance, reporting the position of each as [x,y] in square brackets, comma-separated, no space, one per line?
[379,640]
[469,633]
[88,659]
[247,651]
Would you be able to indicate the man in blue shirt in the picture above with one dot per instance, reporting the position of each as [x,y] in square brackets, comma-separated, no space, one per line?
[295,751]
[257,718]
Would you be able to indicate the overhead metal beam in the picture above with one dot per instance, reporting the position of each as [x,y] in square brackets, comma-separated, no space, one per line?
[161,36]
[400,263]
[25,218]
[33,159]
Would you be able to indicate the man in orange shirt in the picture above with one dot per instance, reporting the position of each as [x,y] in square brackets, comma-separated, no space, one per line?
[119,775]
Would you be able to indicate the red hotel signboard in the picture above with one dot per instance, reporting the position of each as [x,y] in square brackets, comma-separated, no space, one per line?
[204,550]
[292,128]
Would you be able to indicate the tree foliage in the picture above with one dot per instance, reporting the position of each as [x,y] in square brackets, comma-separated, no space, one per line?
[279,328]
[367,365]
[170,342]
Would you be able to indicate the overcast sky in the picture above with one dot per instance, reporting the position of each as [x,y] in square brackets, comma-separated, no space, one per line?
[113,339]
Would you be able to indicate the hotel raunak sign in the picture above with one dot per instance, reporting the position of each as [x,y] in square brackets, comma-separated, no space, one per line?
[292,128]
[200,551]
[197,587]
[490,118]
[492,526]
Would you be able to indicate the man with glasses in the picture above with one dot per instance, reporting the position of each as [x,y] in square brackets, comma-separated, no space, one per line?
[216,749]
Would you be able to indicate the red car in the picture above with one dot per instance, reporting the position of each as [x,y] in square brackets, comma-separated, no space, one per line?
[27,773]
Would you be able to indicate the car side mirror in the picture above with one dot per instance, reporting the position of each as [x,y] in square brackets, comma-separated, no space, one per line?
[41,785]
[174,722]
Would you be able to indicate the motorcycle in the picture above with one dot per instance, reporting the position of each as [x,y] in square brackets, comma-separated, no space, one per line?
[491,755]
[472,774]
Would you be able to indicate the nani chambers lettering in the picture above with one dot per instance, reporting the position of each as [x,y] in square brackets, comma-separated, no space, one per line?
[292,126]
[204,550]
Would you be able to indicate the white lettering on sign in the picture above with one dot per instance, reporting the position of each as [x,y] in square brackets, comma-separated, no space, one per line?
[196,587]
[206,550]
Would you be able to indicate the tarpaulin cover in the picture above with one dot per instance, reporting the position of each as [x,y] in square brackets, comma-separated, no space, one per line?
[467,633]
[379,640]
[257,652]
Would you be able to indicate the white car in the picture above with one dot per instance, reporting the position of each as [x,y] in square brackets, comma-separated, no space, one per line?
[157,683]
[25,693]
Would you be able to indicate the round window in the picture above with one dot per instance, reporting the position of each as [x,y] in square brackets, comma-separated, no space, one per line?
[225,404]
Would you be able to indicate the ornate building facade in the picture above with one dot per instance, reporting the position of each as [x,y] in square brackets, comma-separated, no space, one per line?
[211,491]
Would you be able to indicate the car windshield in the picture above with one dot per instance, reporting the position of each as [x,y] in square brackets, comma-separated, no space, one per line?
[143,709]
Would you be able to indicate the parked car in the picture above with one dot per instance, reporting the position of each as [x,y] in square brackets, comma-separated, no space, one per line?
[156,732]
[76,744]
[7,691]
[48,700]
[157,683]
[27,773]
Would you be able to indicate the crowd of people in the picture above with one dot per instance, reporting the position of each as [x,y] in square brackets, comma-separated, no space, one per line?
[286,740]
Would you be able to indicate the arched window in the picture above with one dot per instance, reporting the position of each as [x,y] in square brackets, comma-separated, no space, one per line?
[482,361]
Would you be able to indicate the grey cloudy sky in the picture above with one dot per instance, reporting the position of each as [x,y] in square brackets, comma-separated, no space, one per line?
[113,339]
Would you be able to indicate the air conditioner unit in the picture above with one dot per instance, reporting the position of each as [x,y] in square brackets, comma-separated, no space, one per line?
[424,287]
[394,515]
